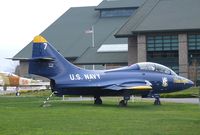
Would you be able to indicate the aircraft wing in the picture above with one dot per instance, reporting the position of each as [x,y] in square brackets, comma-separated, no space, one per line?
[134,85]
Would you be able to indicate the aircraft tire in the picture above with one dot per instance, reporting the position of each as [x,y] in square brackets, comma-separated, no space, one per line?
[123,103]
[157,102]
[98,101]
[4,88]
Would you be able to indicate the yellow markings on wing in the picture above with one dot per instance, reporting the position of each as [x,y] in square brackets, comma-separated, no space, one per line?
[39,39]
[140,88]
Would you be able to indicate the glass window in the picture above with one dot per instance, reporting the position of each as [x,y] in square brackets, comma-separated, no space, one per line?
[116,12]
[166,41]
[150,41]
[174,44]
[166,48]
[191,36]
[146,66]
[167,44]
[158,49]
[192,44]
[192,48]
[151,49]
[149,38]
[158,41]
[174,48]
[162,42]
[151,45]
[158,45]
[149,66]
[194,41]
[158,37]
[166,37]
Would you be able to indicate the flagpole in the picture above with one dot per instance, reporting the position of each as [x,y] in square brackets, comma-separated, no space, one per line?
[92,36]
[91,31]
[93,66]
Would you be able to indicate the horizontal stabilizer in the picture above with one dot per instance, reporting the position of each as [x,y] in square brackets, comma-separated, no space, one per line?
[16,59]
[43,59]
[39,59]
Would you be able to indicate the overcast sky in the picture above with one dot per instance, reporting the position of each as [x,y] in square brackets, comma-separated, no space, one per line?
[21,20]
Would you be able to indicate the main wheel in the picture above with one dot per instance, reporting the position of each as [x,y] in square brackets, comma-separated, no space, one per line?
[98,101]
[123,103]
[4,88]
[157,102]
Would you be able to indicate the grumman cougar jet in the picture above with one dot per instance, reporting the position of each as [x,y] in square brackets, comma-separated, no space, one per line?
[144,78]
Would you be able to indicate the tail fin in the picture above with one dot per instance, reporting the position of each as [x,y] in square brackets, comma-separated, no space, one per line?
[46,60]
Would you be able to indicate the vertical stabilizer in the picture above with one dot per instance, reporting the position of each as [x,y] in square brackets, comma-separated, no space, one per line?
[47,61]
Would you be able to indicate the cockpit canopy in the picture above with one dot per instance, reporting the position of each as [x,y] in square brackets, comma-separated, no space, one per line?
[149,66]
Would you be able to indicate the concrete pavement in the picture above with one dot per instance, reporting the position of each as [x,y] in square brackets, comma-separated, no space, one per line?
[178,100]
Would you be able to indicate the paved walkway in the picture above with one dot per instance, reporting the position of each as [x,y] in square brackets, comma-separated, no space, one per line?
[175,100]
[178,100]
[182,100]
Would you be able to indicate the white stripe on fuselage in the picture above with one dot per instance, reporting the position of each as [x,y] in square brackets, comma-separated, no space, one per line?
[84,76]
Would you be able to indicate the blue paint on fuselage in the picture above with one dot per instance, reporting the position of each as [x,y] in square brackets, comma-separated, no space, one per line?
[67,78]
[115,77]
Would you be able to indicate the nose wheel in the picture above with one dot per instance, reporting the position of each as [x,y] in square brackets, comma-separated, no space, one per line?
[157,99]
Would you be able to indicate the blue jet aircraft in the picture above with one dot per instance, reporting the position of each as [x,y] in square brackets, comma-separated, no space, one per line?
[144,78]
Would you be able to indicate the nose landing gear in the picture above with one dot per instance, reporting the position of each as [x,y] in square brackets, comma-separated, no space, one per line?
[157,99]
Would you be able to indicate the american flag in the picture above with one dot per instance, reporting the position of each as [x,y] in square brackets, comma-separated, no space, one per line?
[89,31]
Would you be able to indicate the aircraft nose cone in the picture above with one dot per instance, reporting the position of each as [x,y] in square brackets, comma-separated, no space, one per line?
[191,83]
[183,83]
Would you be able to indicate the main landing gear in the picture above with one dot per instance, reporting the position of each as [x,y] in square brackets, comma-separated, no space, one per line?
[97,100]
[157,99]
[156,96]
[124,102]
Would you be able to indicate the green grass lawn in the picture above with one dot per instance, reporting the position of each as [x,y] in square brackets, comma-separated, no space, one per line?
[189,93]
[24,116]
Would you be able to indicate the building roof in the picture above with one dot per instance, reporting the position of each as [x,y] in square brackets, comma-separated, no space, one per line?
[71,34]
[71,37]
[163,15]
[112,4]
[68,32]
[91,56]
